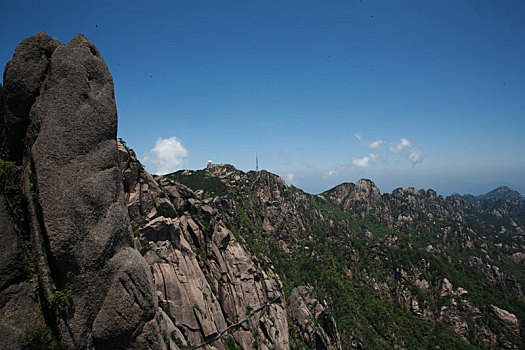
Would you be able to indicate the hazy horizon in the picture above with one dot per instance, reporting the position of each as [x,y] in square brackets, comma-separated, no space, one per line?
[407,94]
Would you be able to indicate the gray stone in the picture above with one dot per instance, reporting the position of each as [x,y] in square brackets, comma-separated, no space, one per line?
[12,257]
[315,324]
[18,311]
[71,158]
[128,303]
[161,229]
[508,320]
[23,77]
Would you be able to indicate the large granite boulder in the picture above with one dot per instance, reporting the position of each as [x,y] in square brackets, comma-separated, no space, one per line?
[99,291]
[23,77]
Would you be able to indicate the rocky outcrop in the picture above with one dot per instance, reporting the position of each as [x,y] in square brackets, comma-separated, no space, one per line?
[23,79]
[360,199]
[213,289]
[18,311]
[316,326]
[508,320]
[339,193]
[96,290]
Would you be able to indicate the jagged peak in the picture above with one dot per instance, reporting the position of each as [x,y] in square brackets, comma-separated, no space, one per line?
[350,186]
[343,186]
[414,191]
[221,166]
[366,183]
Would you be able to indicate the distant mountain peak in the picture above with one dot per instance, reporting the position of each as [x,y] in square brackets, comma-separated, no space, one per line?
[502,192]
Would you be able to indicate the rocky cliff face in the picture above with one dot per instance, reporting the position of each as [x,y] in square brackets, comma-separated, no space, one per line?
[316,327]
[215,292]
[89,284]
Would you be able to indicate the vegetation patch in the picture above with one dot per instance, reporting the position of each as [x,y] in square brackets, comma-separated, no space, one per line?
[199,180]
[38,337]
[230,344]
[60,298]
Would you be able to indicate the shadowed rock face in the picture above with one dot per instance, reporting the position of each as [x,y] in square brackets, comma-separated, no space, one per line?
[17,310]
[317,327]
[23,77]
[60,101]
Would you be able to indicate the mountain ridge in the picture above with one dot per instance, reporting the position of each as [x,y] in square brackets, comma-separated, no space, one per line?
[500,192]
[394,221]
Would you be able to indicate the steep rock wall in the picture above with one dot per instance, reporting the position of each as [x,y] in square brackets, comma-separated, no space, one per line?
[214,290]
[95,290]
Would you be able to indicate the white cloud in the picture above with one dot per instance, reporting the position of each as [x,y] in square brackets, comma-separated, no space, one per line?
[290,177]
[401,145]
[361,162]
[415,156]
[332,173]
[167,156]
[404,147]
[376,144]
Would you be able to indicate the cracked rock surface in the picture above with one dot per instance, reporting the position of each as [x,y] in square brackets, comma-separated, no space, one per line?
[207,281]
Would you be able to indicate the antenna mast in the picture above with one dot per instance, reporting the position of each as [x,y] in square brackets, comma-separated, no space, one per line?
[256,162]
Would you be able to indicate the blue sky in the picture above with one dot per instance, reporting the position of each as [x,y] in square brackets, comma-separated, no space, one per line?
[428,94]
